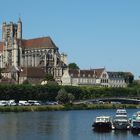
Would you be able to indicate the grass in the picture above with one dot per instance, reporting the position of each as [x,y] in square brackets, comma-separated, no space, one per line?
[64,107]
[30,108]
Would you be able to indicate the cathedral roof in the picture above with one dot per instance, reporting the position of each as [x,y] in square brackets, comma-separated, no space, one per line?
[1,46]
[32,72]
[44,42]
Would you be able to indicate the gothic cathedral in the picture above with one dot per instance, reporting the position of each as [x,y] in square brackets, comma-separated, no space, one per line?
[35,56]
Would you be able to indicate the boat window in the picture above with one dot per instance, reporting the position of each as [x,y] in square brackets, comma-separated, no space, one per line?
[121,113]
[119,117]
[136,124]
[102,119]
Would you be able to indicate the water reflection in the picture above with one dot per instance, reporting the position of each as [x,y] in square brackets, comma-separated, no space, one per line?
[121,134]
[57,125]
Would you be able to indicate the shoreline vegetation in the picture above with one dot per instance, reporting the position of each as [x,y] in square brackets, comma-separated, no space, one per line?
[65,94]
[66,107]
[49,92]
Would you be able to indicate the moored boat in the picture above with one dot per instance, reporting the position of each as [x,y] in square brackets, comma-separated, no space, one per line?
[102,123]
[121,120]
[135,123]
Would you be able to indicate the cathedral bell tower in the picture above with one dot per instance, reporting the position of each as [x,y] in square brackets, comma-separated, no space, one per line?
[10,34]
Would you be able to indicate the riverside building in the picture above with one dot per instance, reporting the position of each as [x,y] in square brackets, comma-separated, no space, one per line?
[96,77]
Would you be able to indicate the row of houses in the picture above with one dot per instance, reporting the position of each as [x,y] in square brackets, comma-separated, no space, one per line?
[96,77]
[91,77]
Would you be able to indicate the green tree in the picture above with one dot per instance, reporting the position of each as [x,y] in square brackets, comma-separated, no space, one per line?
[71,97]
[64,97]
[73,66]
[49,77]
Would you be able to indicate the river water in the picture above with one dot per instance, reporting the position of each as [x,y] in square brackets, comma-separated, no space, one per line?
[58,125]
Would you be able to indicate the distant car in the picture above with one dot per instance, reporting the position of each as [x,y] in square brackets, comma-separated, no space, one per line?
[101,102]
[3,103]
[115,102]
[51,103]
[12,103]
[23,103]
[33,102]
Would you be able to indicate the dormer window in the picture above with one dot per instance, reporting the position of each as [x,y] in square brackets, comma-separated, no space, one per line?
[104,75]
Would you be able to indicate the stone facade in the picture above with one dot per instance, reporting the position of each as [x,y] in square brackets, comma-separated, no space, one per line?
[29,53]
[95,77]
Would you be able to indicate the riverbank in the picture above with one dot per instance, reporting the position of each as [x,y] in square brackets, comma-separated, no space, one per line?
[65,107]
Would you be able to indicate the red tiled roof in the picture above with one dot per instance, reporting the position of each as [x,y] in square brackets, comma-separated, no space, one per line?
[86,73]
[98,72]
[44,42]
[74,73]
[32,72]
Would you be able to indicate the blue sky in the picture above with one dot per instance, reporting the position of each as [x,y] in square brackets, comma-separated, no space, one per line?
[94,33]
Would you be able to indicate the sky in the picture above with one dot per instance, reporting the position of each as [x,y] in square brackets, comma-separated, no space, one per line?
[93,33]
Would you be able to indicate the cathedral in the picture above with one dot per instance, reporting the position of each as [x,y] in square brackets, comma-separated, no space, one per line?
[28,59]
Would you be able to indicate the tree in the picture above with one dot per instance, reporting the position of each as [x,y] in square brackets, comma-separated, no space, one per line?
[73,66]
[64,97]
[49,77]
[71,97]
[49,80]
[129,77]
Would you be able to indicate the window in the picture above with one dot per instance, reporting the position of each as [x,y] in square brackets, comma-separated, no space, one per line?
[104,75]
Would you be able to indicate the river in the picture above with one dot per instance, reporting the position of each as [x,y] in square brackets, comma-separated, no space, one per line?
[58,125]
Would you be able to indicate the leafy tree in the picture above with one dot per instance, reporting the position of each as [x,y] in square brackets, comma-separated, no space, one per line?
[134,84]
[71,97]
[129,78]
[73,66]
[49,77]
[64,97]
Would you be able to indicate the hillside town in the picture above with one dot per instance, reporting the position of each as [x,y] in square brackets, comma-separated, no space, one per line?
[32,59]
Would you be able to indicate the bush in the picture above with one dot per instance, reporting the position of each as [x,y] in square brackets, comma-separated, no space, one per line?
[64,97]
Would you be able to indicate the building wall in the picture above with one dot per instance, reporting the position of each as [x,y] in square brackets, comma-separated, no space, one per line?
[117,82]
[66,78]
[103,80]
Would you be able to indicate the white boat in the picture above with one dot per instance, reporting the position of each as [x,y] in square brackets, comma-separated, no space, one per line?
[135,123]
[121,120]
[102,123]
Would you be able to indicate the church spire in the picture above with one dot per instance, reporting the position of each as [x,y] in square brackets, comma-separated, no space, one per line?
[19,29]
[19,19]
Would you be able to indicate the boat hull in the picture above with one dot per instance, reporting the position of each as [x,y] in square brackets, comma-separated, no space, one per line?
[103,127]
[135,130]
[135,126]
[121,125]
